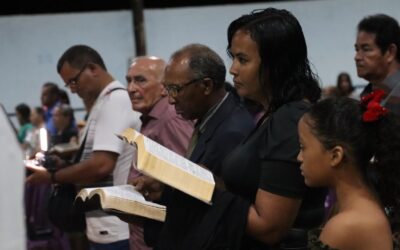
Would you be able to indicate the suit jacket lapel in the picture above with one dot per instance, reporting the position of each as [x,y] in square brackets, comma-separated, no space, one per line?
[215,121]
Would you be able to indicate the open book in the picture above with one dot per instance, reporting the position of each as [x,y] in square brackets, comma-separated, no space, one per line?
[170,168]
[119,199]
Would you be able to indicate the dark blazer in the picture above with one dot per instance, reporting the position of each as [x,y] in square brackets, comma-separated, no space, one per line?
[187,216]
[223,132]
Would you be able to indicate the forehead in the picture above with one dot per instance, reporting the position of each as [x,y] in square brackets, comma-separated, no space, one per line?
[243,43]
[67,70]
[304,126]
[364,37]
[141,67]
[177,70]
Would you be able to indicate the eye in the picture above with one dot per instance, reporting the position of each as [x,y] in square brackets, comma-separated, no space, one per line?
[242,60]
[140,79]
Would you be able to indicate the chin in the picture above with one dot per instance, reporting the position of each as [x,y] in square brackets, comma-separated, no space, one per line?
[242,92]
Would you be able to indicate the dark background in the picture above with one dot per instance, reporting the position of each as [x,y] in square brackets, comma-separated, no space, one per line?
[18,7]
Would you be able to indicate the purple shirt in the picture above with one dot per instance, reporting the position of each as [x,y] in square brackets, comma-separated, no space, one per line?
[163,125]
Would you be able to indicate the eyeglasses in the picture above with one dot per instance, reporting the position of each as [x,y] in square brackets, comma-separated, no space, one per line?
[74,80]
[174,89]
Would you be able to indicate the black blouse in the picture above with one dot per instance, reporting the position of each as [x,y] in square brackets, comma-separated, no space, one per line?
[267,159]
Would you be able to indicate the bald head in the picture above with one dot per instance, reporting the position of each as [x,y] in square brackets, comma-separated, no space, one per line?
[154,65]
[144,80]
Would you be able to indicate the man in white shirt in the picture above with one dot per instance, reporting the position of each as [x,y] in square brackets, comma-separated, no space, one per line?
[105,159]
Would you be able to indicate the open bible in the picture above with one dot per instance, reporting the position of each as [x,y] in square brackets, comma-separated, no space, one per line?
[119,199]
[169,167]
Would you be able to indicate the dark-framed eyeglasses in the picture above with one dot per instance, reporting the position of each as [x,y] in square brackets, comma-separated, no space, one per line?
[174,89]
[74,80]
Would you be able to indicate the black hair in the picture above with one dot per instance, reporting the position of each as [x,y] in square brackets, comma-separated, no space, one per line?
[40,112]
[386,30]
[66,111]
[285,73]
[64,97]
[340,90]
[204,62]
[53,88]
[24,111]
[79,56]
[372,146]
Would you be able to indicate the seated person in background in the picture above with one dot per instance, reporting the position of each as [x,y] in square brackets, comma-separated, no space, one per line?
[344,85]
[63,119]
[33,138]
[349,148]
[50,98]
[23,113]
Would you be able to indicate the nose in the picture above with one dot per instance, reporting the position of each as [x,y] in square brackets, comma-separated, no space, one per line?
[233,69]
[171,100]
[357,56]
[300,157]
[131,87]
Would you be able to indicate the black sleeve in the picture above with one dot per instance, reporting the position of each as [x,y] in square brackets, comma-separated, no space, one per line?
[280,170]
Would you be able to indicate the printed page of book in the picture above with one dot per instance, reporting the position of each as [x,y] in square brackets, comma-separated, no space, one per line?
[128,192]
[123,199]
[179,161]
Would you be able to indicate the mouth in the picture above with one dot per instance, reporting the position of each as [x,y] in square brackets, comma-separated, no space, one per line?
[136,99]
[236,84]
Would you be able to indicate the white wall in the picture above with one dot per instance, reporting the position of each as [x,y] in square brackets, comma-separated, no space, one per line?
[31,45]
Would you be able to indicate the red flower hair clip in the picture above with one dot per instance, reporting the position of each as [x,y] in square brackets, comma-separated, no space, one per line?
[374,110]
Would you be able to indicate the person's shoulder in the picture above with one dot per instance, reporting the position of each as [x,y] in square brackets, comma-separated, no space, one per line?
[294,107]
[290,113]
[351,229]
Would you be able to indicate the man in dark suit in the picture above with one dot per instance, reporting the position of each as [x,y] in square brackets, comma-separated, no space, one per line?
[195,81]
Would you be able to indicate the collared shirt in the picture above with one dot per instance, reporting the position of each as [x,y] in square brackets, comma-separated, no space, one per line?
[163,125]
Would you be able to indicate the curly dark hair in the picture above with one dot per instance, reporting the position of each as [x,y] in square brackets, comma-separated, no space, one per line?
[372,146]
[285,73]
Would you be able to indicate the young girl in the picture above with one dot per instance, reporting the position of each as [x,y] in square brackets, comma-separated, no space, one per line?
[354,149]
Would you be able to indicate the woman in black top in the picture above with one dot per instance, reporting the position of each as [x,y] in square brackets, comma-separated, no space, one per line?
[270,66]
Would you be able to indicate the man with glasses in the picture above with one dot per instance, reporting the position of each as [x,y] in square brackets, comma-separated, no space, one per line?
[160,122]
[195,79]
[105,160]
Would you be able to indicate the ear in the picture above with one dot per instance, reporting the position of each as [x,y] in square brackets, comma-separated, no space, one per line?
[208,84]
[164,92]
[337,156]
[391,53]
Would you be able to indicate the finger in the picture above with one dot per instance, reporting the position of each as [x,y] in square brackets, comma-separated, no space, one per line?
[139,184]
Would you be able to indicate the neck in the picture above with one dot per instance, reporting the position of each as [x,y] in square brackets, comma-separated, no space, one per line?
[213,100]
[378,82]
[349,187]
[104,80]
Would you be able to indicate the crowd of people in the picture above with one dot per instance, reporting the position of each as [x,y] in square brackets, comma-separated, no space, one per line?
[277,150]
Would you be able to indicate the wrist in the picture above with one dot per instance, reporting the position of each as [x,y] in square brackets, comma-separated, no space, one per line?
[52,173]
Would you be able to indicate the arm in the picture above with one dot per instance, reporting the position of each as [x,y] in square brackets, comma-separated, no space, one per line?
[271,216]
[100,165]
